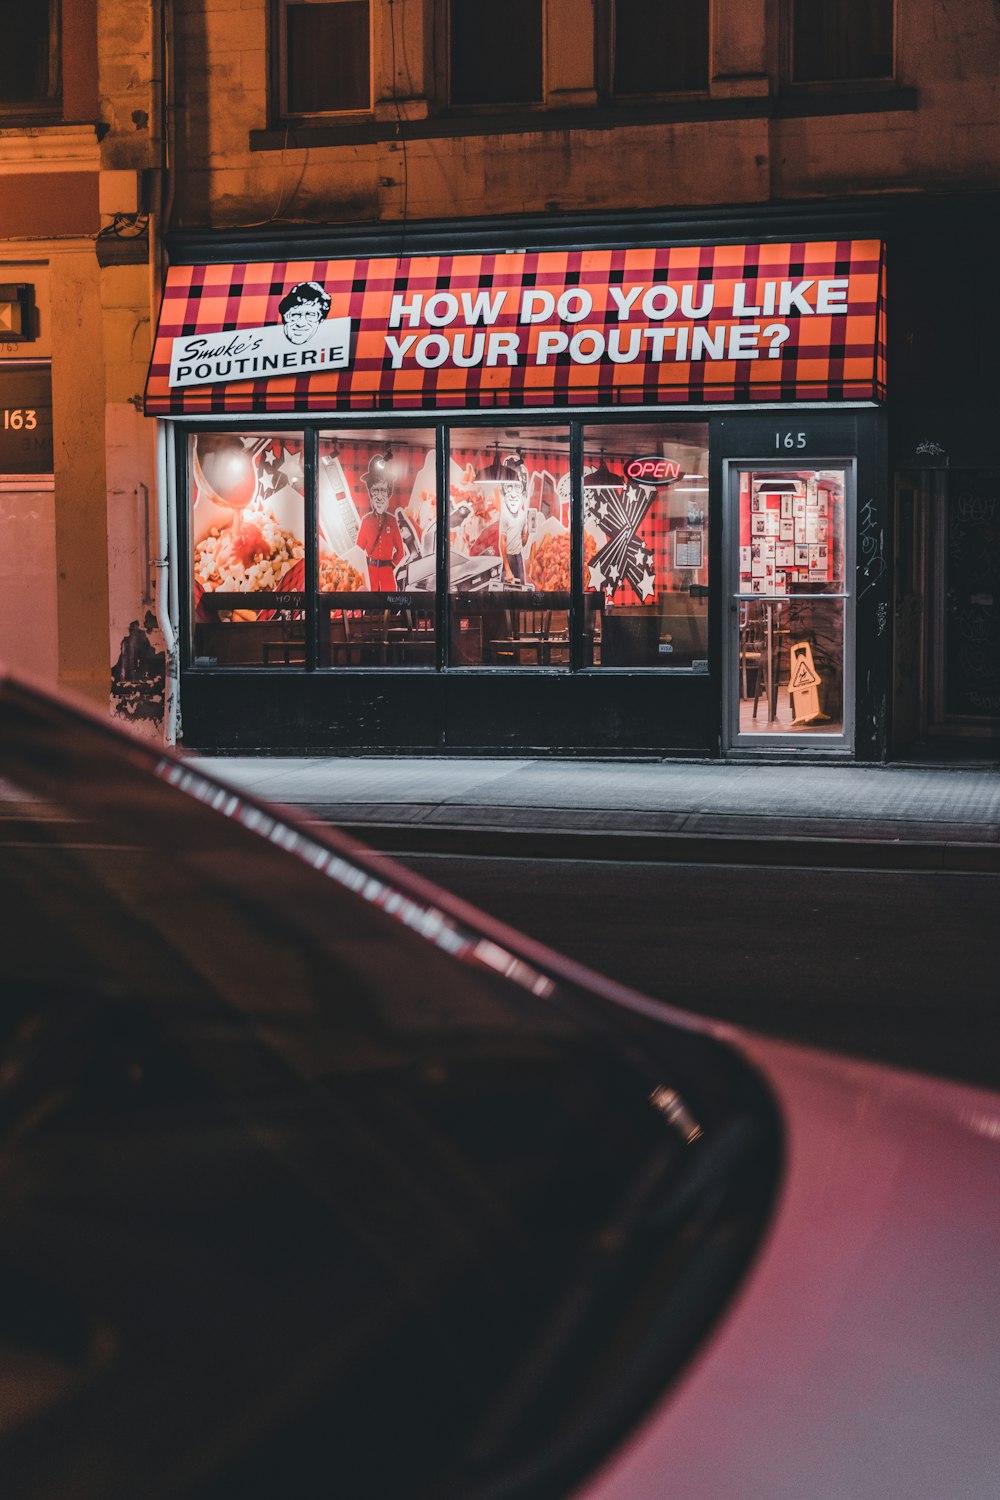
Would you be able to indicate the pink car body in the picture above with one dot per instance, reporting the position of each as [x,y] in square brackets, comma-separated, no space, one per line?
[861,1356]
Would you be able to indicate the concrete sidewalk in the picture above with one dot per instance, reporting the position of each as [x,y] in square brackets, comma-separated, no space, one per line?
[874,816]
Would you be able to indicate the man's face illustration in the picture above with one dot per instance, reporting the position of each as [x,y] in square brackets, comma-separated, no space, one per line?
[301,321]
[379,496]
[513,497]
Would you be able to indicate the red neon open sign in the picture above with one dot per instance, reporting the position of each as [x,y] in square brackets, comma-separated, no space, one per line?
[652,471]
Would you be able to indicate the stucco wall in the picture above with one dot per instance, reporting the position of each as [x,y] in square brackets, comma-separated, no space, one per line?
[78,440]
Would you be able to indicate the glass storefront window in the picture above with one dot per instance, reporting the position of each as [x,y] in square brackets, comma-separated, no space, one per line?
[645,537]
[247,529]
[790,660]
[335,563]
[377,534]
[509,536]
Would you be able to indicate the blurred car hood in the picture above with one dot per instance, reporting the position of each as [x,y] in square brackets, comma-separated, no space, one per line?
[860,1356]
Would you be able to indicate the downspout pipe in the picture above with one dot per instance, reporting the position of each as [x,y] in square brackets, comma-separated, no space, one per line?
[167,602]
[166,616]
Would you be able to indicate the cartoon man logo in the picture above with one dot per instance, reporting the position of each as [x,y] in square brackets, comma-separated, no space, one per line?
[303,310]
[513,515]
[379,535]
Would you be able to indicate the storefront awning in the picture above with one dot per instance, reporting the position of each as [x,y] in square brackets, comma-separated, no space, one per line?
[606,328]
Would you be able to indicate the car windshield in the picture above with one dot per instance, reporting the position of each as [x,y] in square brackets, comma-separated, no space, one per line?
[305,1172]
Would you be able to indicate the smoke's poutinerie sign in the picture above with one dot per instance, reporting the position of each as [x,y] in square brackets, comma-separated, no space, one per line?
[602,328]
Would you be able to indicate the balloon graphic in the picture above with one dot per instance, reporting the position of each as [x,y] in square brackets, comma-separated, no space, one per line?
[225,471]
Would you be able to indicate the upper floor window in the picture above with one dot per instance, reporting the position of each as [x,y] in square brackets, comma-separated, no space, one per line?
[840,40]
[659,46]
[495,52]
[29,54]
[324,56]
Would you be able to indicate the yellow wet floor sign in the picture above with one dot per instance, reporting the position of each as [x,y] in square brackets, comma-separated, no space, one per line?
[803,685]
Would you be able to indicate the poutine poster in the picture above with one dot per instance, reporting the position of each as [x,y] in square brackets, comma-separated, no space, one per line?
[508,518]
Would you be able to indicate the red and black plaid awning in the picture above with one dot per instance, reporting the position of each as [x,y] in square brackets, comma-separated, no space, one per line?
[753,323]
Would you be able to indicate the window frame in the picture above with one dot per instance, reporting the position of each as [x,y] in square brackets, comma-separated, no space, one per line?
[605,37]
[280,111]
[51,107]
[444,49]
[873,83]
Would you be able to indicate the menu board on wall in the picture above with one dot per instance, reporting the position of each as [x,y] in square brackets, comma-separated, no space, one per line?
[25,419]
[688,549]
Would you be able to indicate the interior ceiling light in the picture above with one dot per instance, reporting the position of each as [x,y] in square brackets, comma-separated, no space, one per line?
[603,477]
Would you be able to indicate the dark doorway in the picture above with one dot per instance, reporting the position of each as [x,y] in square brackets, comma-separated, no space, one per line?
[946,663]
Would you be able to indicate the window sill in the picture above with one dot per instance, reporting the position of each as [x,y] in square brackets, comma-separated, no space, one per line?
[508,122]
[543,121]
[843,99]
[332,119]
[30,143]
[20,116]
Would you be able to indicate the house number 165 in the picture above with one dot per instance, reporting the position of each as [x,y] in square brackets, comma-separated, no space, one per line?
[789,439]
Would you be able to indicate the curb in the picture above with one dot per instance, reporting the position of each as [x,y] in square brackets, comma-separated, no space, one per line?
[677,848]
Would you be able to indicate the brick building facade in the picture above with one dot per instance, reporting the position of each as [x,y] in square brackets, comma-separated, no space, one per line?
[210,132]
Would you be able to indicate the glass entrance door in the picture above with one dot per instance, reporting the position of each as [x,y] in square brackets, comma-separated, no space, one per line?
[789,658]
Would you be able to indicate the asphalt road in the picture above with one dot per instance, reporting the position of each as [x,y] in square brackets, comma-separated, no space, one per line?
[896,967]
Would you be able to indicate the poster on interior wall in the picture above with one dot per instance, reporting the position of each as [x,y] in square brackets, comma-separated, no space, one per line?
[509,520]
[632,326]
[781,516]
[247,517]
[377,516]
[628,525]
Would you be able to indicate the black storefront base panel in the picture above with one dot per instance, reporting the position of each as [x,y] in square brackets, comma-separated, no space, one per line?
[287,712]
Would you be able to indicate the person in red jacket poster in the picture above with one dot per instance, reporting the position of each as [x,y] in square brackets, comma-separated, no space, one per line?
[379,535]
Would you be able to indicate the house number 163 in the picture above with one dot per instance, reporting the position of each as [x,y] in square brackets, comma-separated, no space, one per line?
[789,439]
[20,417]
